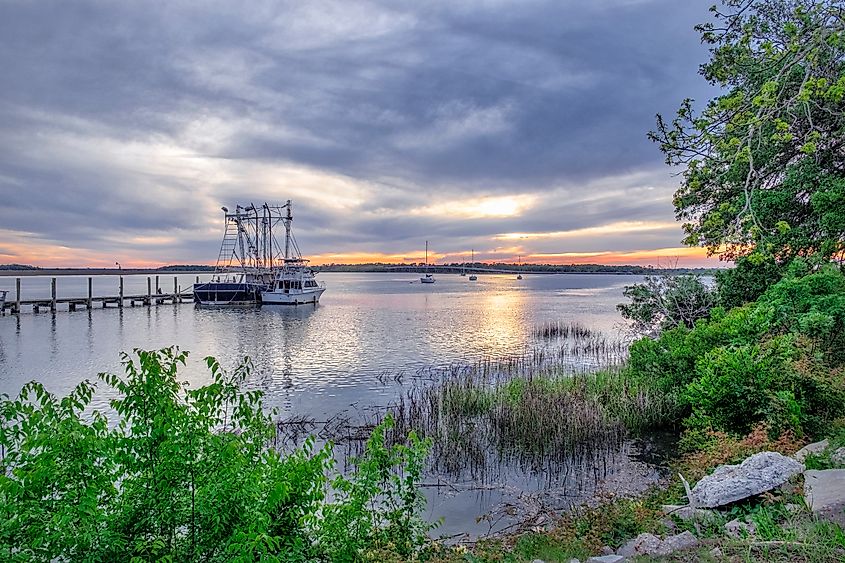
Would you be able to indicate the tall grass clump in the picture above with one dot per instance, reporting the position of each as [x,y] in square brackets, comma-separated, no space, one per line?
[547,410]
[185,474]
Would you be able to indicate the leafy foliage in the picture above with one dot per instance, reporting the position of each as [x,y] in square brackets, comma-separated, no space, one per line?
[189,475]
[778,360]
[667,301]
[747,280]
[764,162]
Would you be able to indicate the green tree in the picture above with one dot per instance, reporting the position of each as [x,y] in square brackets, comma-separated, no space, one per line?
[765,160]
[667,301]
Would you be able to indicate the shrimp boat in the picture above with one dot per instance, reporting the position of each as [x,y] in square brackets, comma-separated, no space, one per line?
[245,262]
[250,263]
[293,282]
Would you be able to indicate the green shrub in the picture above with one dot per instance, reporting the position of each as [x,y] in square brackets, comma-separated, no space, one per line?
[747,280]
[189,475]
[778,360]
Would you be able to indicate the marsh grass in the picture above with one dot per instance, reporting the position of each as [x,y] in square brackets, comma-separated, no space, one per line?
[549,410]
[560,411]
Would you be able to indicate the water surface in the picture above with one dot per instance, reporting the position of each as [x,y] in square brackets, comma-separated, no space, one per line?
[366,341]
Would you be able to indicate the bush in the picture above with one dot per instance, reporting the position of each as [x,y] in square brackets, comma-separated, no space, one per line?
[188,475]
[747,280]
[779,360]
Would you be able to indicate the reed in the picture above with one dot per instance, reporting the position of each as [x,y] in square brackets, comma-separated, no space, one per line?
[561,409]
[564,329]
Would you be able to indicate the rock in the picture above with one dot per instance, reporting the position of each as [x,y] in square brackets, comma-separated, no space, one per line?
[538,561]
[838,457]
[573,560]
[651,545]
[738,529]
[759,473]
[643,544]
[606,559]
[688,513]
[824,492]
[716,553]
[680,542]
[814,448]
[607,550]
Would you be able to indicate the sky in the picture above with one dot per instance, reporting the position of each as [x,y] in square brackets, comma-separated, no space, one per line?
[514,128]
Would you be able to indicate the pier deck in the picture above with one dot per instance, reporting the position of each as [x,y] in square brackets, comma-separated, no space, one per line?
[15,305]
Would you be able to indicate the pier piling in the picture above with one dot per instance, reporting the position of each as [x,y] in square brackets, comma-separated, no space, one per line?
[120,296]
[90,293]
[53,295]
[150,290]
[17,296]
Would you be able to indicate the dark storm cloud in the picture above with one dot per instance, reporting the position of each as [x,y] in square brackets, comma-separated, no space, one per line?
[134,118]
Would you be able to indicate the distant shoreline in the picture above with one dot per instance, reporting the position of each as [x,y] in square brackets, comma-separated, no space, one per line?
[368,268]
[96,272]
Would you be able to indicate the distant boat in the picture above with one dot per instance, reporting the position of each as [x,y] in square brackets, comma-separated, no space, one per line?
[427,278]
[473,277]
[293,283]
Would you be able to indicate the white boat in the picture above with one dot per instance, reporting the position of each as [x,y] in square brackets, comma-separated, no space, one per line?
[294,282]
[427,278]
[473,277]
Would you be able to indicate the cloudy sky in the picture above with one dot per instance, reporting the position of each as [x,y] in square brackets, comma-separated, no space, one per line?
[517,128]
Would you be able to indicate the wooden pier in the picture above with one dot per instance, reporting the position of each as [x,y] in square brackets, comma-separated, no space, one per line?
[148,299]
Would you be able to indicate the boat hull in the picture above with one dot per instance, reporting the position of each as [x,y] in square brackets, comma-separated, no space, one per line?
[222,294]
[300,298]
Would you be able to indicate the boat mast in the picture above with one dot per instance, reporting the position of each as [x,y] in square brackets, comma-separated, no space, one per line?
[269,215]
[426,256]
[288,221]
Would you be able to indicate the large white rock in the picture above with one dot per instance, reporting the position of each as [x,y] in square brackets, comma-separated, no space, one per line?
[824,492]
[606,559]
[759,473]
[814,448]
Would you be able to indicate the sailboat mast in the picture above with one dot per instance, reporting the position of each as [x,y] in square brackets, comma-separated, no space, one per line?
[288,221]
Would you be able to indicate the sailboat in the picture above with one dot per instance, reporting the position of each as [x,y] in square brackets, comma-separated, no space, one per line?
[519,276]
[473,277]
[427,278]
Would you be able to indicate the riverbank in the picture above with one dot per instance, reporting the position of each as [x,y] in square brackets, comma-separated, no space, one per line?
[751,386]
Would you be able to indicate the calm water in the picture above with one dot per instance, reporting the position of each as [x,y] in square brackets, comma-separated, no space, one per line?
[314,361]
